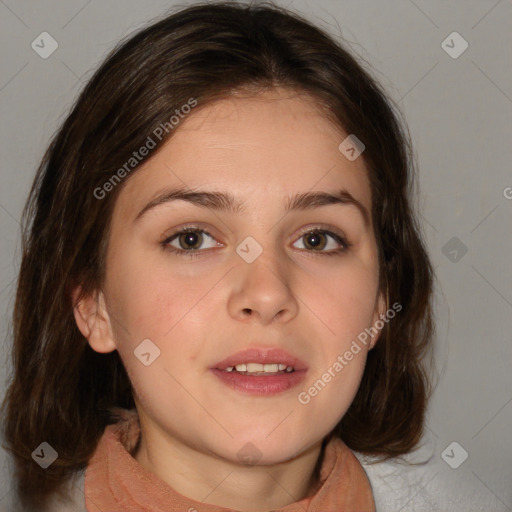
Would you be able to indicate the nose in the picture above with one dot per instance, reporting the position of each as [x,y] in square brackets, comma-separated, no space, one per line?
[262,291]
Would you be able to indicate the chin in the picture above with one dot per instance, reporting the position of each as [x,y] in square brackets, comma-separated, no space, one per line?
[265,452]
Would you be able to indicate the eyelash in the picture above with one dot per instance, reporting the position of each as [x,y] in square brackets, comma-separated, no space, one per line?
[346,245]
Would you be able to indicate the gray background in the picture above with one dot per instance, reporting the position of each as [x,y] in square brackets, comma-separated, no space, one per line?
[459,114]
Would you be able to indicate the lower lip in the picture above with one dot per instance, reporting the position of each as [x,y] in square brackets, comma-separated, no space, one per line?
[260,385]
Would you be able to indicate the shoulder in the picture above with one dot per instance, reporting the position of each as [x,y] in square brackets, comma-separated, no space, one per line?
[76,492]
[422,481]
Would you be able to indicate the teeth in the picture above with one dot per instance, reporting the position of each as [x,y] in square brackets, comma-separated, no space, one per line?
[257,367]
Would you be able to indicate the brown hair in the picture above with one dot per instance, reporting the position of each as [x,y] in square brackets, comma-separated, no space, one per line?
[63,392]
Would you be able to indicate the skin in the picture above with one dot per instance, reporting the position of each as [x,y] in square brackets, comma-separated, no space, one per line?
[261,149]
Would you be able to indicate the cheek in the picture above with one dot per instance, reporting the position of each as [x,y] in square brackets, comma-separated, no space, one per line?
[150,306]
[147,307]
[155,302]
[147,295]
[345,301]
[347,305]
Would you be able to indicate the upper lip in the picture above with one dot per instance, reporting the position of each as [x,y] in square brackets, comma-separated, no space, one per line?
[262,356]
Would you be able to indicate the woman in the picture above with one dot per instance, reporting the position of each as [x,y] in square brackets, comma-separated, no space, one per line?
[224,293]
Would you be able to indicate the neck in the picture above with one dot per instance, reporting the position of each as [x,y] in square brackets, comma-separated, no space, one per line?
[206,478]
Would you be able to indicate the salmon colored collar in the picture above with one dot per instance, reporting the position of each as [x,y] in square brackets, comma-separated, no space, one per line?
[116,482]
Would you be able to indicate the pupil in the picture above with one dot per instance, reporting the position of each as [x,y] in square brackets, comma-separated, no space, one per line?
[192,239]
[314,240]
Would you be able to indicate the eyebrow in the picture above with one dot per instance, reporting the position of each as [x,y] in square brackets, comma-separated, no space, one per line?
[224,201]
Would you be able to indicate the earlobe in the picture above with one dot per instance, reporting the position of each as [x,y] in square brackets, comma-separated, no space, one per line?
[93,321]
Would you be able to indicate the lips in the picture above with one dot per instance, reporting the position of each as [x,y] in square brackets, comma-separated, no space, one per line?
[261,356]
[259,383]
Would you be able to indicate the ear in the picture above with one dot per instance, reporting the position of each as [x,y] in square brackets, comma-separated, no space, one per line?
[381,306]
[93,320]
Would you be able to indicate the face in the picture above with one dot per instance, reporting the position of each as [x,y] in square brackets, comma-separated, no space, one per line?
[261,276]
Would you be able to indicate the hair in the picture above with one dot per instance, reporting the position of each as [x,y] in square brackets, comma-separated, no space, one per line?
[62,391]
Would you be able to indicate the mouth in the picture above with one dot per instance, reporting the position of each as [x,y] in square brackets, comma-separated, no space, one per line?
[260,372]
[260,369]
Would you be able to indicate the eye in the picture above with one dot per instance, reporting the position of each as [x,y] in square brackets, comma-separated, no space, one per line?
[317,240]
[188,241]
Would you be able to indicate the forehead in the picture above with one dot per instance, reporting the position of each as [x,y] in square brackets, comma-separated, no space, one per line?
[268,145]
